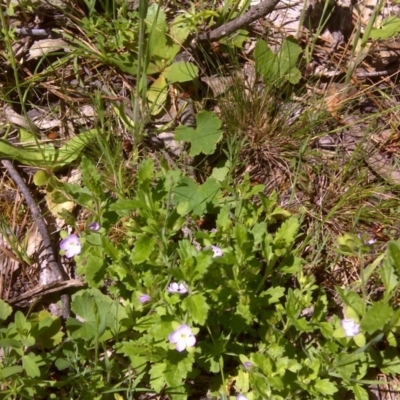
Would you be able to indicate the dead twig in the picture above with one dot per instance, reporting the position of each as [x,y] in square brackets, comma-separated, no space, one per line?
[256,12]
[46,289]
[57,273]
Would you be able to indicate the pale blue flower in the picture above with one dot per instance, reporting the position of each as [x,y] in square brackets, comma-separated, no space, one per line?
[71,245]
[182,338]
[351,328]
[241,397]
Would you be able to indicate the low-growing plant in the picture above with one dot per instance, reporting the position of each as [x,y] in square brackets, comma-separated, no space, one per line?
[169,302]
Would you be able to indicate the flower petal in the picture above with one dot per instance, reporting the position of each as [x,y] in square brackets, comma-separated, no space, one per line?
[351,328]
[190,340]
[94,226]
[144,298]
[181,345]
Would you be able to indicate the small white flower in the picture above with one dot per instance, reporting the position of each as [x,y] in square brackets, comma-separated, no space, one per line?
[217,251]
[241,397]
[183,337]
[180,288]
[351,328]
[71,245]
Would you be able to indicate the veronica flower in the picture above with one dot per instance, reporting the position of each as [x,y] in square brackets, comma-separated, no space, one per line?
[182,338]
[71,245]
[247,365]
[241,397]
[351,328]
[217,251]
[180,288]
[94,226]
[144,298]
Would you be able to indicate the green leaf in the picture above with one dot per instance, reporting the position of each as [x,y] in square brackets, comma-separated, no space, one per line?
[288,56]
[143,248]
[126,62]
[286,235]
[360,392]
[10,371]
[376,317]
[393,254]
[30,366]
[205,137]
[47,155]
[91,177]
[273,294]
[5,310]
[62,364]
[181,71]
[265,60]
[281,67]
[97,311]
[157,95]
[196,197]
[20,321]
[145,172]
[92,264]
[157,381]
[389,279]
[326,387]
[180,29]
[389,27]
[177,366]
[197,307]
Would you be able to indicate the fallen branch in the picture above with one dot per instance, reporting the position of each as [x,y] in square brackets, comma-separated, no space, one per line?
[57,273]
[259,11]
[45,290]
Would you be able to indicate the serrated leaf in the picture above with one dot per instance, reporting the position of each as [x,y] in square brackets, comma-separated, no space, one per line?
[47,155]
[181,71]
[286,235]
[326,387]
[91,177]
[197,307]
[196,197]
[145,172]
[157,381]
[360,392]
[376,317]
[5,310]
[177,367]
[143,248]
[205,137]
[180,29]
